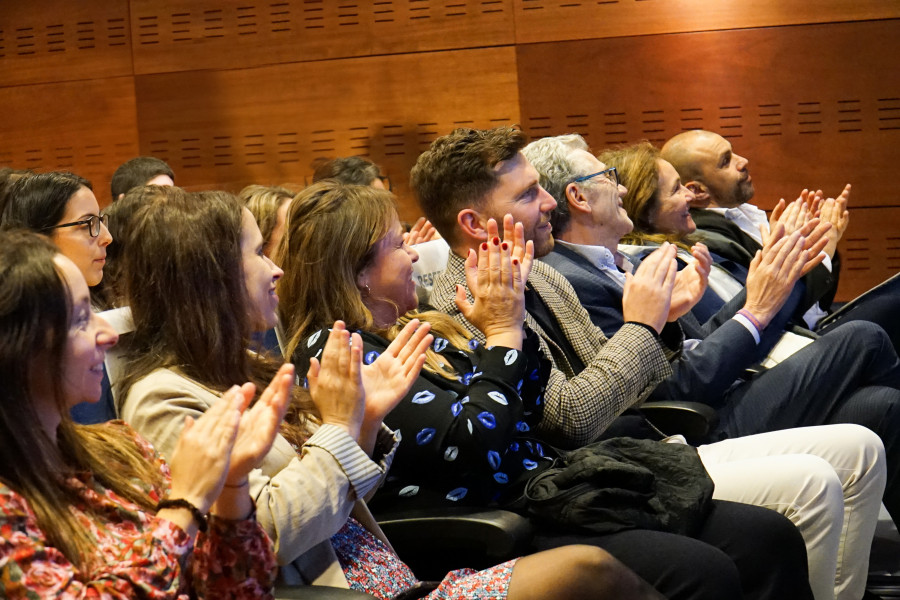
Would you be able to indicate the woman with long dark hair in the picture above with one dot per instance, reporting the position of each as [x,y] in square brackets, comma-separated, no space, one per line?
[93,509]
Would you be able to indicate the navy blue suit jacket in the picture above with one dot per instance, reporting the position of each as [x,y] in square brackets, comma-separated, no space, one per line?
[702,374]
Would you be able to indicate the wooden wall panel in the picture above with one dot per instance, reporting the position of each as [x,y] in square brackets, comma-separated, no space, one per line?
[266,125]
[85,127]
[558,20]
[252,33]
[794,100]
[870,249]
[44,41]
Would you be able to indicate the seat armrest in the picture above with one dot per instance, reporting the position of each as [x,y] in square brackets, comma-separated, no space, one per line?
[433,543]
[694,420]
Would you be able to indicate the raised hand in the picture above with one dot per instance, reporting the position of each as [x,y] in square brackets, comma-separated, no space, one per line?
[390,376]
[648,293]
[690,283]
[494,278]
[421,231]
[522,252]
[792,216]
[834,211]
[200,462]
[335,382]
[259,424]
[773,272]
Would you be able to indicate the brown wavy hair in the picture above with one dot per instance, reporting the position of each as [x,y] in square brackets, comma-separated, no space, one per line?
[184,281]
[638,170]
[332,234]
[35,312]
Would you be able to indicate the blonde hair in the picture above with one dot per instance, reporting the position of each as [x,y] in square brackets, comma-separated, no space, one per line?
[263,203]
[332,233]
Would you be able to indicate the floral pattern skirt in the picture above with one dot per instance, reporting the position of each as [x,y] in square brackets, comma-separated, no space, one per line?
[371,567]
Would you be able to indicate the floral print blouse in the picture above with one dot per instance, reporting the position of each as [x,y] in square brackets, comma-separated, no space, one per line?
[142,556]
[465,440]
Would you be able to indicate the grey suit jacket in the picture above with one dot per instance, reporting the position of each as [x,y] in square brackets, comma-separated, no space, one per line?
[620,372]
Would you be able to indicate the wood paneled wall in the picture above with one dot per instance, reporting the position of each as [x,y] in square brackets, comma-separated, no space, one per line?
[245,91]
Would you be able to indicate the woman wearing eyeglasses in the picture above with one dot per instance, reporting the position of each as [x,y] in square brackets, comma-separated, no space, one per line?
[62,206]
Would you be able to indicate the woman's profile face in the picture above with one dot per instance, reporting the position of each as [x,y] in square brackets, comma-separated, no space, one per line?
[76,242]
[387,287]
[672,214]
[260,275]
[88,340]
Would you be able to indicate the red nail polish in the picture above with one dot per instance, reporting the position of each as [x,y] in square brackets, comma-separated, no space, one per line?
[504,245]
[516,261]
[496,241]
[484,246]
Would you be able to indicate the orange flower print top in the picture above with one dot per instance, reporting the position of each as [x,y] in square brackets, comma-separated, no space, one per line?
[142,556]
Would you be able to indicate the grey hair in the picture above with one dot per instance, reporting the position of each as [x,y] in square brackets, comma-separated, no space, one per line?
[552,158]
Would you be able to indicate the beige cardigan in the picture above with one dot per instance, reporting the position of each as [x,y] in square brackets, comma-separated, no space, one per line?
[301,500]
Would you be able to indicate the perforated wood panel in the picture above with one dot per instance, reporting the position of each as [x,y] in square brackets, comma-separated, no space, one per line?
[870,249]
[793,100]
[266,125]
[48,40]
[556,20]
[74,126]
[259,32]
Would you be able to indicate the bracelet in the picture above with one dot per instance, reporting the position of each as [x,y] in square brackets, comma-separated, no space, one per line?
[201,519]
[238,485]
[749,316]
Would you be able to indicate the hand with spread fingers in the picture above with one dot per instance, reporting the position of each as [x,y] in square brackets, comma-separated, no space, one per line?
[494,275]
[389,377]
[335,381]
[690,283]
[257,431]
[648,293]
[421,231]
[200,462]
[773,272]
[834,211]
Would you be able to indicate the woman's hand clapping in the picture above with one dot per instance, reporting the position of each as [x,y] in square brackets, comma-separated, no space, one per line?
[496,276]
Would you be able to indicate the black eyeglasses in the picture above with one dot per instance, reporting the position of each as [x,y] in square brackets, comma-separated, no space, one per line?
[93,223]
[611,174]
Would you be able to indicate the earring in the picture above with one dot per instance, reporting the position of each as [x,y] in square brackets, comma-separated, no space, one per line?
[368,292]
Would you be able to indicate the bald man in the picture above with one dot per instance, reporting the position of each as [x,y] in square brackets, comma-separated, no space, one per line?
[730,226]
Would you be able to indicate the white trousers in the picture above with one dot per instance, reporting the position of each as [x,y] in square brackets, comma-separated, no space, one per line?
[828,480]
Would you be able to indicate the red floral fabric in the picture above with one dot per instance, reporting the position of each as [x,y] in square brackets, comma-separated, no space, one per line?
[371,567]
[140,555]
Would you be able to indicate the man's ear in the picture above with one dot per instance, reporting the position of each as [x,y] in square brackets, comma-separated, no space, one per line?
[576,200]
[472,225]
[701,194]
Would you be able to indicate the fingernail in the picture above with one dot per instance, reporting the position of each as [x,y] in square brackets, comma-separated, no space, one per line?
[515,261]
[504,245]
[484,246]
[496,241]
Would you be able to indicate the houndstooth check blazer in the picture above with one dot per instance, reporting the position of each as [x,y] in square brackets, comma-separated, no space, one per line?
[620,373]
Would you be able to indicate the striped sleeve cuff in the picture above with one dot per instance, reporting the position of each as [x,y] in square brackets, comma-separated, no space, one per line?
[361,471]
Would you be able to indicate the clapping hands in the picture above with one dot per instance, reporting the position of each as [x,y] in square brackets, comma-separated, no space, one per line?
[496,276]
